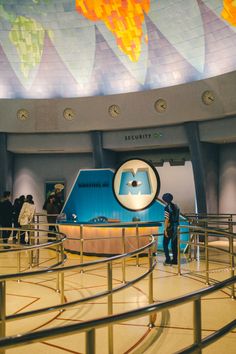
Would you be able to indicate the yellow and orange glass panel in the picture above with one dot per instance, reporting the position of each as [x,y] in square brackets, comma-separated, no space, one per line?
[229,11]
[124,18]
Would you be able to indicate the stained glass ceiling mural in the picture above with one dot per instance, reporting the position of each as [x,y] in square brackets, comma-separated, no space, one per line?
[76,48]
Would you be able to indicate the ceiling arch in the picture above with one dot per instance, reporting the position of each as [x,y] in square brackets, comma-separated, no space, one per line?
[78,48]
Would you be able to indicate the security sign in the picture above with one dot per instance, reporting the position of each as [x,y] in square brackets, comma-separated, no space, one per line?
[136,184]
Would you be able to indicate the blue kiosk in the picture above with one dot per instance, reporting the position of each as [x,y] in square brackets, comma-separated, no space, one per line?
[92,201]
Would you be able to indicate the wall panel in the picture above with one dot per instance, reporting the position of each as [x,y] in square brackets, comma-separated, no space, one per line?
[31,172]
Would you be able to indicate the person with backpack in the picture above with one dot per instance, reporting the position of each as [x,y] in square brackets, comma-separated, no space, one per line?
[170,228]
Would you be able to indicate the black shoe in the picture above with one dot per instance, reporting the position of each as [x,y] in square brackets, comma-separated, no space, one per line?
[167,262]
[174,262]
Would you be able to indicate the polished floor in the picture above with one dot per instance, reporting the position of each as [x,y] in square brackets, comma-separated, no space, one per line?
[173,329]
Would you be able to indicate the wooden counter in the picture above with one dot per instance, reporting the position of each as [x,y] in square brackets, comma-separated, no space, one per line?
[106,239]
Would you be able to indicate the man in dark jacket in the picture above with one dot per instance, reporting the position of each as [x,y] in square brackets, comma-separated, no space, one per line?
[170,228]
[6,212]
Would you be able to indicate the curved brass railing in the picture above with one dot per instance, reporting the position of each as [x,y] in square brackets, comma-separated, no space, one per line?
[80,267]
[60,271]
[89,327]
[222,221]
[37,242]
[197,232]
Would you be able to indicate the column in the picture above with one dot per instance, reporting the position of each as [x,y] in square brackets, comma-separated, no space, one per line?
[5,165]
[102,158]
[196,152]
[211,167]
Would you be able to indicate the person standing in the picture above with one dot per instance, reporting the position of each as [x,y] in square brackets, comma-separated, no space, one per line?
[170,228]
[6,211]
[58,196]
[18,203]
[52,213]
[26,216]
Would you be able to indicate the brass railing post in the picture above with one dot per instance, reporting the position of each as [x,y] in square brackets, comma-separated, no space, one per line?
[62,287]
[195,240]
[197,324]
[110,307]
[2,312]
[58,261]
[31,254]
[37,242]
[81,245]
[207,257]
[191,239]
[34,252]
[178,250]
[137,238]
[230,221]
[90,341]
[62,253]
[231,251]
[123,250]
[150,284]
[62,276]
[18,262]
[18,237]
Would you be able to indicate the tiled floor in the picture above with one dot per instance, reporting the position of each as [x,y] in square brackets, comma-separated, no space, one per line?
[173,329]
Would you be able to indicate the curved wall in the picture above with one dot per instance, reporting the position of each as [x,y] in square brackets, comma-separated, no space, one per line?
[184,103]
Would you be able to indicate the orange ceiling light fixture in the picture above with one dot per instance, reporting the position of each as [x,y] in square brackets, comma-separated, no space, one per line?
[229,11]
[124,18]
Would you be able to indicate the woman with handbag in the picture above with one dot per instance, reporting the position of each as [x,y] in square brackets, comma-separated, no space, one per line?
[26,216]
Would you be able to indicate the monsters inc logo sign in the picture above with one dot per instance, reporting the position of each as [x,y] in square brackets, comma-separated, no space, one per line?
[136,184]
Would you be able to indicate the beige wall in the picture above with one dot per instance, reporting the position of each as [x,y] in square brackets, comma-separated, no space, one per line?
[178,180]
[31,172]
[227,181]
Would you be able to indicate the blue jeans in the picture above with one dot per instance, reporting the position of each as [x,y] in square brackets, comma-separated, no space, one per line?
[166,241]
[172,236]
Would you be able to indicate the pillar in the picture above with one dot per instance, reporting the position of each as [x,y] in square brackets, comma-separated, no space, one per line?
[5,165]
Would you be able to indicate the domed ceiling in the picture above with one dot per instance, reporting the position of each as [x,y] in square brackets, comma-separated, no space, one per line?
[76,48]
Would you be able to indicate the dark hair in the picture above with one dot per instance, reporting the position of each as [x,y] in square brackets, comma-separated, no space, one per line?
[29,199]
[167,197]
[6,194]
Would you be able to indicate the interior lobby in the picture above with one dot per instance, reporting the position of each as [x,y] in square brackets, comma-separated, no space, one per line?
[84,87]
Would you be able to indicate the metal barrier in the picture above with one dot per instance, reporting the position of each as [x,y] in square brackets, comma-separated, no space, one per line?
[197,231]
[60,287]
[33,246]
[223,221]
[90,327]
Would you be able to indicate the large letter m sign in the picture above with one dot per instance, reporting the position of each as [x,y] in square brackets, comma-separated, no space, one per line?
[135,183]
